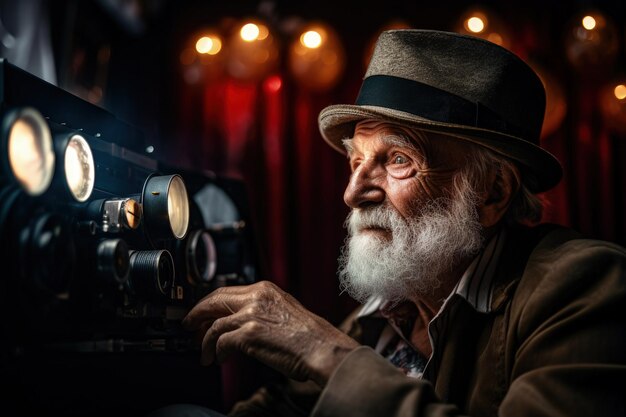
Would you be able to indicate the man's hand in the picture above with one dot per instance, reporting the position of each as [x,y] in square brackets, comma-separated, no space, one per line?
[268,324]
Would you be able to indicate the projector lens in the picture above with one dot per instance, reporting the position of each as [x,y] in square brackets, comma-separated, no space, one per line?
[79,168]
[30,153]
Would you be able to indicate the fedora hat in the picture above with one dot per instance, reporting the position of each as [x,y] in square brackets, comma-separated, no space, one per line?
[462,86]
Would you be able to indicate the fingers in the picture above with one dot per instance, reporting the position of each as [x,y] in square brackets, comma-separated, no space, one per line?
[226,301]
[227,334]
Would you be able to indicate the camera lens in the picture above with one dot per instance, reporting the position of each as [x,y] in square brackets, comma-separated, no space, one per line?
[152,272]
[113,260]
[201,257]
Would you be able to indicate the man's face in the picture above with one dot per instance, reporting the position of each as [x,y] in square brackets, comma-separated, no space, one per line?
[406,176]
[413,213]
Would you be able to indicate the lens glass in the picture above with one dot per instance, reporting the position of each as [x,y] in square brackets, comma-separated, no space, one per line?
[165,274]
[30,152]
[79,168]
[178,207]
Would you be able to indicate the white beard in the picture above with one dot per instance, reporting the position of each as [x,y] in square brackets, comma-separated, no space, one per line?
[418,252]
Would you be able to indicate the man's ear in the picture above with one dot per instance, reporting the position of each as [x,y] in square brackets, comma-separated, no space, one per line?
[502,185]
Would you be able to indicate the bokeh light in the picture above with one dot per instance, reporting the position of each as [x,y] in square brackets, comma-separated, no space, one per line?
[589,22]
[252,52]
[209,44]
[485,24]
[202,58]
[311,39]
[475,24]
[613,105]
[273,84]
[249,32]
[317,57]
[591,43]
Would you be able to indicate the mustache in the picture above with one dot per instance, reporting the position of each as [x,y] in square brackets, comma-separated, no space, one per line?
[379,217]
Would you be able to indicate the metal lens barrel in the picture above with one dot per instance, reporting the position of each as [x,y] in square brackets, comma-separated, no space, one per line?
[152,273]
[113,260]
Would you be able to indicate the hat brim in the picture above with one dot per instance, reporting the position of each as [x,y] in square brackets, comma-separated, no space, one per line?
[540,168]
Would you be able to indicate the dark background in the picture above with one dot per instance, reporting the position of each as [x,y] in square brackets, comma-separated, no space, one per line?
[129,63]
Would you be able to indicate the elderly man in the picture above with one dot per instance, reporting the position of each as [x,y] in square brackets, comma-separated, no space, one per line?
[466,309]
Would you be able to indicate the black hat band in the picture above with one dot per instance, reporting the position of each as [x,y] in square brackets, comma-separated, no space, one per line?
[433,104]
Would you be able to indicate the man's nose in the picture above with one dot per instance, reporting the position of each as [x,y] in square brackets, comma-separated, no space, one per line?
[365,186]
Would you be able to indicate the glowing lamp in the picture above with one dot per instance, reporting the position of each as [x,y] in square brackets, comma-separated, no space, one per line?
[28,158]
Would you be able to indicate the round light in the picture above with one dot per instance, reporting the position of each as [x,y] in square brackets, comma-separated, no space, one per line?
[249,32]
[253,52]
[589,22]
[317,57]
[204,45]
[216,45]
[311,39]
[484,23]
[31,157]
[165,208]
[79,168]
[620,91]
[178,207]
[210,45]
[475,24]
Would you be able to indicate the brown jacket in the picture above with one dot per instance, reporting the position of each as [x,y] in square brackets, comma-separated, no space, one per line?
[554,344]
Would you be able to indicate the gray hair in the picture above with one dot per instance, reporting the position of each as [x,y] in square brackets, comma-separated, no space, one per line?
[525,207]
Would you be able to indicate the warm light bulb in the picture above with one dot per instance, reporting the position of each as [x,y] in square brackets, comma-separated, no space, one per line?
[475,24]
[204,45]
[620,92]
[216,46]
[249,32]
[589,22]
[311,39]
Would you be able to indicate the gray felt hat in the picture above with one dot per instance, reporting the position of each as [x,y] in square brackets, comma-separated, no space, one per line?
[466,87]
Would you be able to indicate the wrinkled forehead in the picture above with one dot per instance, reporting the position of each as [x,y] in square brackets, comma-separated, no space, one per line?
[434,145]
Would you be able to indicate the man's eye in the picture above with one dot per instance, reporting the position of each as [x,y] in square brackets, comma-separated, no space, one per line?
[400,159]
